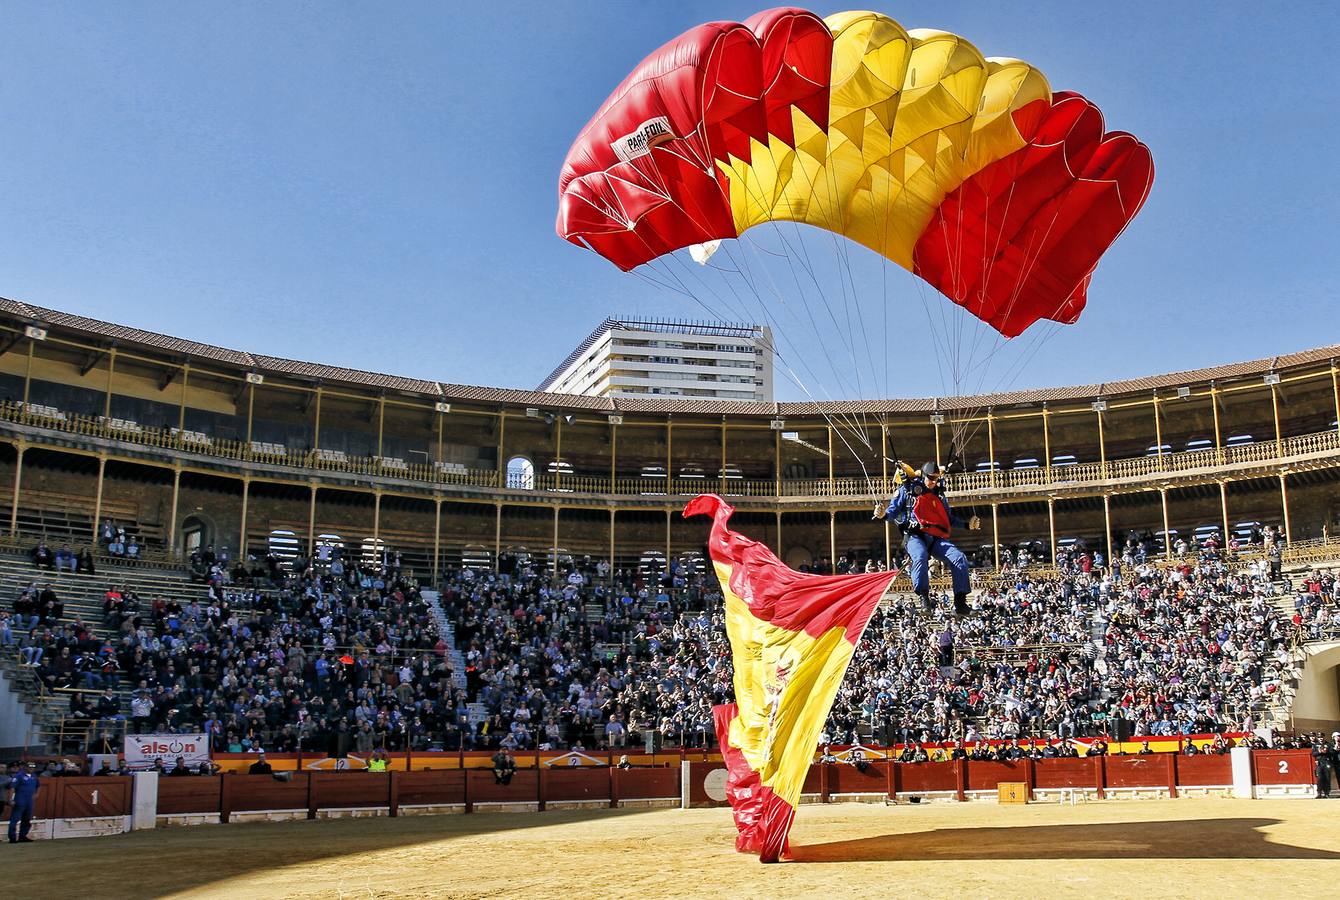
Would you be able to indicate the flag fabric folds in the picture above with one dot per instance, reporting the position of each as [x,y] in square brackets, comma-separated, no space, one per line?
[792,636]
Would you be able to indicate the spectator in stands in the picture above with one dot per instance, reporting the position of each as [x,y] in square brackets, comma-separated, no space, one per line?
[180,769]
[117,546]
[32,648]
[50,609]
[42,556]
[7,638]
[109,707]
[65,559]
[84,562]
[132,549]
[261,766]
[107,532]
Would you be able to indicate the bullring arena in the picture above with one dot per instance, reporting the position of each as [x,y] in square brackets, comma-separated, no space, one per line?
[278,621]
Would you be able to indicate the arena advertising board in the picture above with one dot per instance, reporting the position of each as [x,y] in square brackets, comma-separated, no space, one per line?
[142,749]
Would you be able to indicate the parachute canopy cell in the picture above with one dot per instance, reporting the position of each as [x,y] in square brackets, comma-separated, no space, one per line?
[970,172]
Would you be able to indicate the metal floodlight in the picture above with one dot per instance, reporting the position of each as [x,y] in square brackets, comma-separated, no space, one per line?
[937,418]
[1272,378]
[532,412]
[615,420]
[36,332]
[442,407]
[255,378]
[1183,392]
[1100,406]
[778,424]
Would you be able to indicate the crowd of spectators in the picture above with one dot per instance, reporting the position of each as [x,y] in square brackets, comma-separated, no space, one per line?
[333,655]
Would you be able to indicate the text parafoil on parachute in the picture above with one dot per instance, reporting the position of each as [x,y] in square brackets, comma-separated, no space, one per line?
[968,171]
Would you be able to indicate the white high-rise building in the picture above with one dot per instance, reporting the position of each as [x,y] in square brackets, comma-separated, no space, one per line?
[661,358]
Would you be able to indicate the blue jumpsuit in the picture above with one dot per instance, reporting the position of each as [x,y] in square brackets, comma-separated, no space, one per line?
[922,545]
[25,787]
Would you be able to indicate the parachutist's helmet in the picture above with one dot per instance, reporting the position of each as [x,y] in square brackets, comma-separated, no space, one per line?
[931,470]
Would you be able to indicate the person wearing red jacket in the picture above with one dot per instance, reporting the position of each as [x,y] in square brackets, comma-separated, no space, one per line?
[924,516]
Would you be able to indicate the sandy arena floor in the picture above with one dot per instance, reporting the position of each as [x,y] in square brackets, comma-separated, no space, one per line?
[1192,847]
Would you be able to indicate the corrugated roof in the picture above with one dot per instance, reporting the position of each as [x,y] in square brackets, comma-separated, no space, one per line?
[180,347]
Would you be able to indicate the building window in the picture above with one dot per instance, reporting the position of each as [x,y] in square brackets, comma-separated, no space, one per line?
[520,474]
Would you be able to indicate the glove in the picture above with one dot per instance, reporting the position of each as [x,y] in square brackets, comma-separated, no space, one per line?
[880,510]
[912,527]
[975,524]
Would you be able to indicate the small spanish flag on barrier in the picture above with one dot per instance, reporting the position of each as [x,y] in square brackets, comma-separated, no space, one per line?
[792,636]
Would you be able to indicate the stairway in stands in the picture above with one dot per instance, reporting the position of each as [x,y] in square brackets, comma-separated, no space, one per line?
[478,711]
[82,596]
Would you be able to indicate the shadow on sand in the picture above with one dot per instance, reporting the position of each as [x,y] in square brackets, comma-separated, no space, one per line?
[1198,839]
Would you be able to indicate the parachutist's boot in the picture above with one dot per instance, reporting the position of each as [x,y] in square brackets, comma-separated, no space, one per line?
[927,603]
[961,604]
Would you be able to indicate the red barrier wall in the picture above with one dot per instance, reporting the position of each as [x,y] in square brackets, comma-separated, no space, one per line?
[430,788]
[843,779]
[925,777]
[1137,771]
[984,775]
[1064,773]
[189,795]
[1282,767]
[648,784]
[1195,771]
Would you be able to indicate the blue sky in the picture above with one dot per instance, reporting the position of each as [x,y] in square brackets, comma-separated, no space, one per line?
[374,185]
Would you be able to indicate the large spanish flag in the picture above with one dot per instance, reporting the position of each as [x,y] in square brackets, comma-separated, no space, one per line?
[792,636]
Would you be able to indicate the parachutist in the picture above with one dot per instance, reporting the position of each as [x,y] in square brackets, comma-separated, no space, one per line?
[924,516]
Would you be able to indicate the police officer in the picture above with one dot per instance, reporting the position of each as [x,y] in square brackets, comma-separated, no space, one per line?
[922,513]
[23,788]
[1323,761]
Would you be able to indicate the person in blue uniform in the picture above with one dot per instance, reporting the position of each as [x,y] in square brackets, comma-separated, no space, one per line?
[924,516]
[23,788]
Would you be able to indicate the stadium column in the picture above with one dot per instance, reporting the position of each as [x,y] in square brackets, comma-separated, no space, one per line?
[832,491]
[251,409]
[1047,452]
[1107,525]
[1275,409]
[611,547]
[502,459]
[1158,438]
[668,515]
[1284,500]
[723,456]
[558,463]
[381,424]
[1102,443]
[181,411]
[437,535]
[172,520]
[311,522]
[614,471]
[1051,525]
[1167,538]
[242,532]
[778,514]
[28,373]
[316,424]
[995,532]
[18,479]
[1223,508]
[377,522]
[1218,441]
[832,541]
[935,423]
[97,500]
[990,448]
[1335,392]
[111,367]
[669,459]
[553,555]
[777,461]
[497,534]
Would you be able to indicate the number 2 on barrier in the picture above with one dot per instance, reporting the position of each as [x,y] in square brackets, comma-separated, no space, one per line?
[1284,766]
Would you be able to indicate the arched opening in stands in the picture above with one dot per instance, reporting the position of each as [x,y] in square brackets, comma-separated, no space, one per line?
[197,533]
[520,474]
[372,551]
[284,546]
[477,557]
[652,562]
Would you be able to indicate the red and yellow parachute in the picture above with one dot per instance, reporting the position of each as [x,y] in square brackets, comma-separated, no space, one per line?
[970,172]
